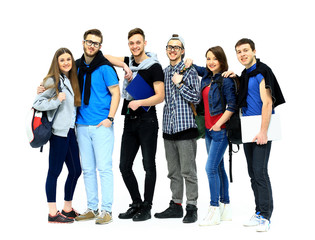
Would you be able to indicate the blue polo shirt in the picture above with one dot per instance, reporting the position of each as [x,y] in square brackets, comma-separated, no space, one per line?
[100,98]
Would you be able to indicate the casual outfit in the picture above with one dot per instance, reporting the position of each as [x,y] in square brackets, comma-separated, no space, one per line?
[96,143]
[257,156]
[216,141]
[140,130]
[63,143]
[179,133]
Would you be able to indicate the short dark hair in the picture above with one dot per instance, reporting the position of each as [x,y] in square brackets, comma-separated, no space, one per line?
[220,55]
[95,32]
[245,41]
[136,31]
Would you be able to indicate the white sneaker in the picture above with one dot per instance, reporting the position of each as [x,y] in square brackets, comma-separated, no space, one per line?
[253,221]
[212,217]
[225,212]
[264,225]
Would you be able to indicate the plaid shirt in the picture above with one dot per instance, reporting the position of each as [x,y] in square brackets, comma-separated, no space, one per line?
[177,113]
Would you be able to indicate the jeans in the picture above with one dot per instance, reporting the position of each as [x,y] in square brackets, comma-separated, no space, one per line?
[216,143]
[181,162]
[257,157]
[96,147]
[63,150]
[139,132]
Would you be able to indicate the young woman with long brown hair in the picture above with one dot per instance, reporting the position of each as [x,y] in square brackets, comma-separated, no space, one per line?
[218,94]
[60,98]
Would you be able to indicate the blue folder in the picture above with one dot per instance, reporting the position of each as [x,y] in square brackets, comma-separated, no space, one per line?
[138,88]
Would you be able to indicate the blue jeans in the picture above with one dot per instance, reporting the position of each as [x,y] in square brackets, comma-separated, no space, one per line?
[216,143]
[96,148]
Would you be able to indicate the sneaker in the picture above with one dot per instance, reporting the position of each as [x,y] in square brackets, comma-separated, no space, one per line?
[144,213]
[133,209]
[104,218]
[253,221]
[191,214]
[212,218]
[72,214]
[225,212]
[59,218]
[264,225]
[89,214]
[173,211]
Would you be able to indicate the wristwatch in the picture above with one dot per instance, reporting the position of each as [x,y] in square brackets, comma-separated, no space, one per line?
[110,119]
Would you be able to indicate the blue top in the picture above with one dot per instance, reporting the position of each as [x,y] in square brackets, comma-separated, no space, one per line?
[254,103]
[100,98]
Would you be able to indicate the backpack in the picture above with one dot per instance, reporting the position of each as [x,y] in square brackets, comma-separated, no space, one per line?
[233,126]
[38,127]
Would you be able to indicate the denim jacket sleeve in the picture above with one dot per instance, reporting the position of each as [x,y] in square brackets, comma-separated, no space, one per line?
[202,71]
[229,94]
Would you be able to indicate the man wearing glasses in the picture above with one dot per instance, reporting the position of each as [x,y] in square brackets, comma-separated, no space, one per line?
[180,131]
[100,99]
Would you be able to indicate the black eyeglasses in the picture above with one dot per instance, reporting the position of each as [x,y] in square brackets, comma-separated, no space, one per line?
[90,43]
[173,48]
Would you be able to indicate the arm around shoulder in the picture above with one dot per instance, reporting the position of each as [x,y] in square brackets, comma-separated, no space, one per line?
[119,62]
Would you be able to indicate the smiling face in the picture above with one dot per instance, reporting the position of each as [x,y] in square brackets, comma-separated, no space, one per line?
[213,63]
[245,55]
[136,45]
[65,63]
[174,51]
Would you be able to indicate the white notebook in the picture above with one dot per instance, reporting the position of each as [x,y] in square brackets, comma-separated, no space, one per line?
[251,127]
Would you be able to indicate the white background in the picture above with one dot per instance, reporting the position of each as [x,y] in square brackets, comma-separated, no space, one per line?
[31,32]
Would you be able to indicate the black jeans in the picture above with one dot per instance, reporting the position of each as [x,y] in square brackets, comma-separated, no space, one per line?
[139,132]
[257,157]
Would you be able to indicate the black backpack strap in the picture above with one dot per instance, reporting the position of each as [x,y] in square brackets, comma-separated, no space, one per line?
[230,161]
[230,158]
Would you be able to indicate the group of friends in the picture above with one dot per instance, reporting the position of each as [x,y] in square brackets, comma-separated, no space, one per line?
[83,128]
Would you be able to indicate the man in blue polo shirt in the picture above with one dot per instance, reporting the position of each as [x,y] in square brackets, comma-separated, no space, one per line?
[95,133]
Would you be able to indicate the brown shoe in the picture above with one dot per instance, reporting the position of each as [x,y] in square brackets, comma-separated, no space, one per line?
[104,218]
[89,214]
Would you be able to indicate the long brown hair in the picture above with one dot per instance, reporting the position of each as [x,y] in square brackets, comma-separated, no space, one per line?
[54,72]
[220,55]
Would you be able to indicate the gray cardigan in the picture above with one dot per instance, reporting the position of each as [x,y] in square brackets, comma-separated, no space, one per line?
[65,115]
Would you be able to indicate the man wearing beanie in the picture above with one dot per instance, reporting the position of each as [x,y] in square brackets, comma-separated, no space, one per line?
[180,131]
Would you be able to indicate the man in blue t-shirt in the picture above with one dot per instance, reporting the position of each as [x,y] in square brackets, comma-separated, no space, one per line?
[95,133]
[259,94]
